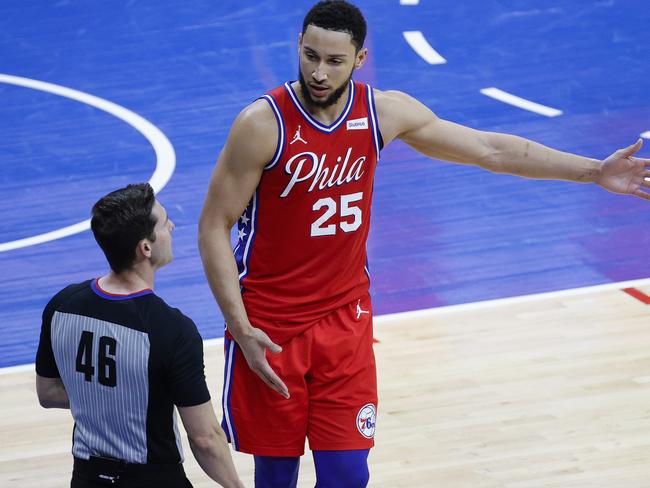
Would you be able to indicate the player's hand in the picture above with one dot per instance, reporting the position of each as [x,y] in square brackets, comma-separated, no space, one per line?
[254,345]
[623,173]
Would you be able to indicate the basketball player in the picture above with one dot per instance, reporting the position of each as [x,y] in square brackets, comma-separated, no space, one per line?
[120,358]
[296,175]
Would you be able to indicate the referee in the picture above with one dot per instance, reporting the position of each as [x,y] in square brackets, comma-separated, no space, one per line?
[120,358]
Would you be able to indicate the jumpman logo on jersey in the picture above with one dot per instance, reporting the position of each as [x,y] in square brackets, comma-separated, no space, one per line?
[296,137]
[360,311]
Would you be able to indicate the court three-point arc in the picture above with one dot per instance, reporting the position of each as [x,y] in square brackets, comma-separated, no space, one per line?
[165,154]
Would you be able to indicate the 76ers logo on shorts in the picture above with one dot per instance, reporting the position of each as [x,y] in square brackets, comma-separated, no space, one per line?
[366,419]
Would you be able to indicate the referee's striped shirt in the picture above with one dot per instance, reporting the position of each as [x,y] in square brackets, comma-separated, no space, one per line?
[125,361]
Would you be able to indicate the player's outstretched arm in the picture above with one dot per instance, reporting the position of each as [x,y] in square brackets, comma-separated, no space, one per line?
[51,392]
[250,146]
[403,117]
[209,445]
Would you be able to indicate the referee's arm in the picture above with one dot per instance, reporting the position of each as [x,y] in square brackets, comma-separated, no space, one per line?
[208,443]
[189,391]
[51,392]
[49,387]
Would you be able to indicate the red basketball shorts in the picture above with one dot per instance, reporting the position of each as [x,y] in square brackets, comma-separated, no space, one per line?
[330,372]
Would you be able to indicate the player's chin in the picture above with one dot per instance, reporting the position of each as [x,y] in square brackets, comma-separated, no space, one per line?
[319,95]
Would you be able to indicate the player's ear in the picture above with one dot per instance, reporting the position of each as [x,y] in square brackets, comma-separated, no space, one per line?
[299,41]
[360,58]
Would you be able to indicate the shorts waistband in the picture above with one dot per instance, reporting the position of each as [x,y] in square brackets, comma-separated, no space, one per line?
[107,468]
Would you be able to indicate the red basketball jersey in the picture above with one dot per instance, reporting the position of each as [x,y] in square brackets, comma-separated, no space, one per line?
[302,239]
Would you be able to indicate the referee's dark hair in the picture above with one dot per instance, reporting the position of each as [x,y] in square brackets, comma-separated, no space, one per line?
[338,15]
[120,220]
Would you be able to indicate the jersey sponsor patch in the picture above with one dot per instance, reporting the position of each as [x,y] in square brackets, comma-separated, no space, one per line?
[366,420]
[358,124]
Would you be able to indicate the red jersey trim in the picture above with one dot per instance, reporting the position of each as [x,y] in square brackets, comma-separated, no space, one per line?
[376,137]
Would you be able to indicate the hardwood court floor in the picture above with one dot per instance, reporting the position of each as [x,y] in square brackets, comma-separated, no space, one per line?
[546,391]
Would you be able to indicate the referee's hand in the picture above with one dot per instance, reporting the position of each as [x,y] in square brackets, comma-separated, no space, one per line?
[254,344]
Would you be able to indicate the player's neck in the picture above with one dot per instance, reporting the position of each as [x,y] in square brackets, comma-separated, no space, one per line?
[127,282]
[325,115]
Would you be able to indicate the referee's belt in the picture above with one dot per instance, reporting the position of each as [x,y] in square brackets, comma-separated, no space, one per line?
[110,470]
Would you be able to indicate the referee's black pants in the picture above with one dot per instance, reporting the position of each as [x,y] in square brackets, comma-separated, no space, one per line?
[101,473]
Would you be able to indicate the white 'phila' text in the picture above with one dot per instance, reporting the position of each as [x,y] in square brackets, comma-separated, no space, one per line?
[306,166]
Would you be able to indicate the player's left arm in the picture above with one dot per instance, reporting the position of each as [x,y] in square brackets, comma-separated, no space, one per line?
[51,392]
[403,117]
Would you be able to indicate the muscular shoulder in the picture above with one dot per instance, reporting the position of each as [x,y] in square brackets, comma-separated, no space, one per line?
[258,117]
[256,120]
[388,98]
[258,123]
[398,113]
[388,102]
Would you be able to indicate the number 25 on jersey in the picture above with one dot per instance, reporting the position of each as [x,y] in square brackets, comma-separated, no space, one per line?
[345,210]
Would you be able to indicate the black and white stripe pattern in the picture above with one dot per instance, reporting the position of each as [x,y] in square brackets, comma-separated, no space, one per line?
[109,421]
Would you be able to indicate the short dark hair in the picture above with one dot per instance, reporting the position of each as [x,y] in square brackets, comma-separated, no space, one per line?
[120,220]
[338,15]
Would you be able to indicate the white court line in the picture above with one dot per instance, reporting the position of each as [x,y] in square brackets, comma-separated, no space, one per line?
[18,369]
[520,102]
[431,312]
[646,135]
[409,2]
[213,342]
[165,155]
[422,47]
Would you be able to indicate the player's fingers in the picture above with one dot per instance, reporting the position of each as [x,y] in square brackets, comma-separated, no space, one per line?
[642,194]
[272,380]
[630,150]
[641,161]
[270,345]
